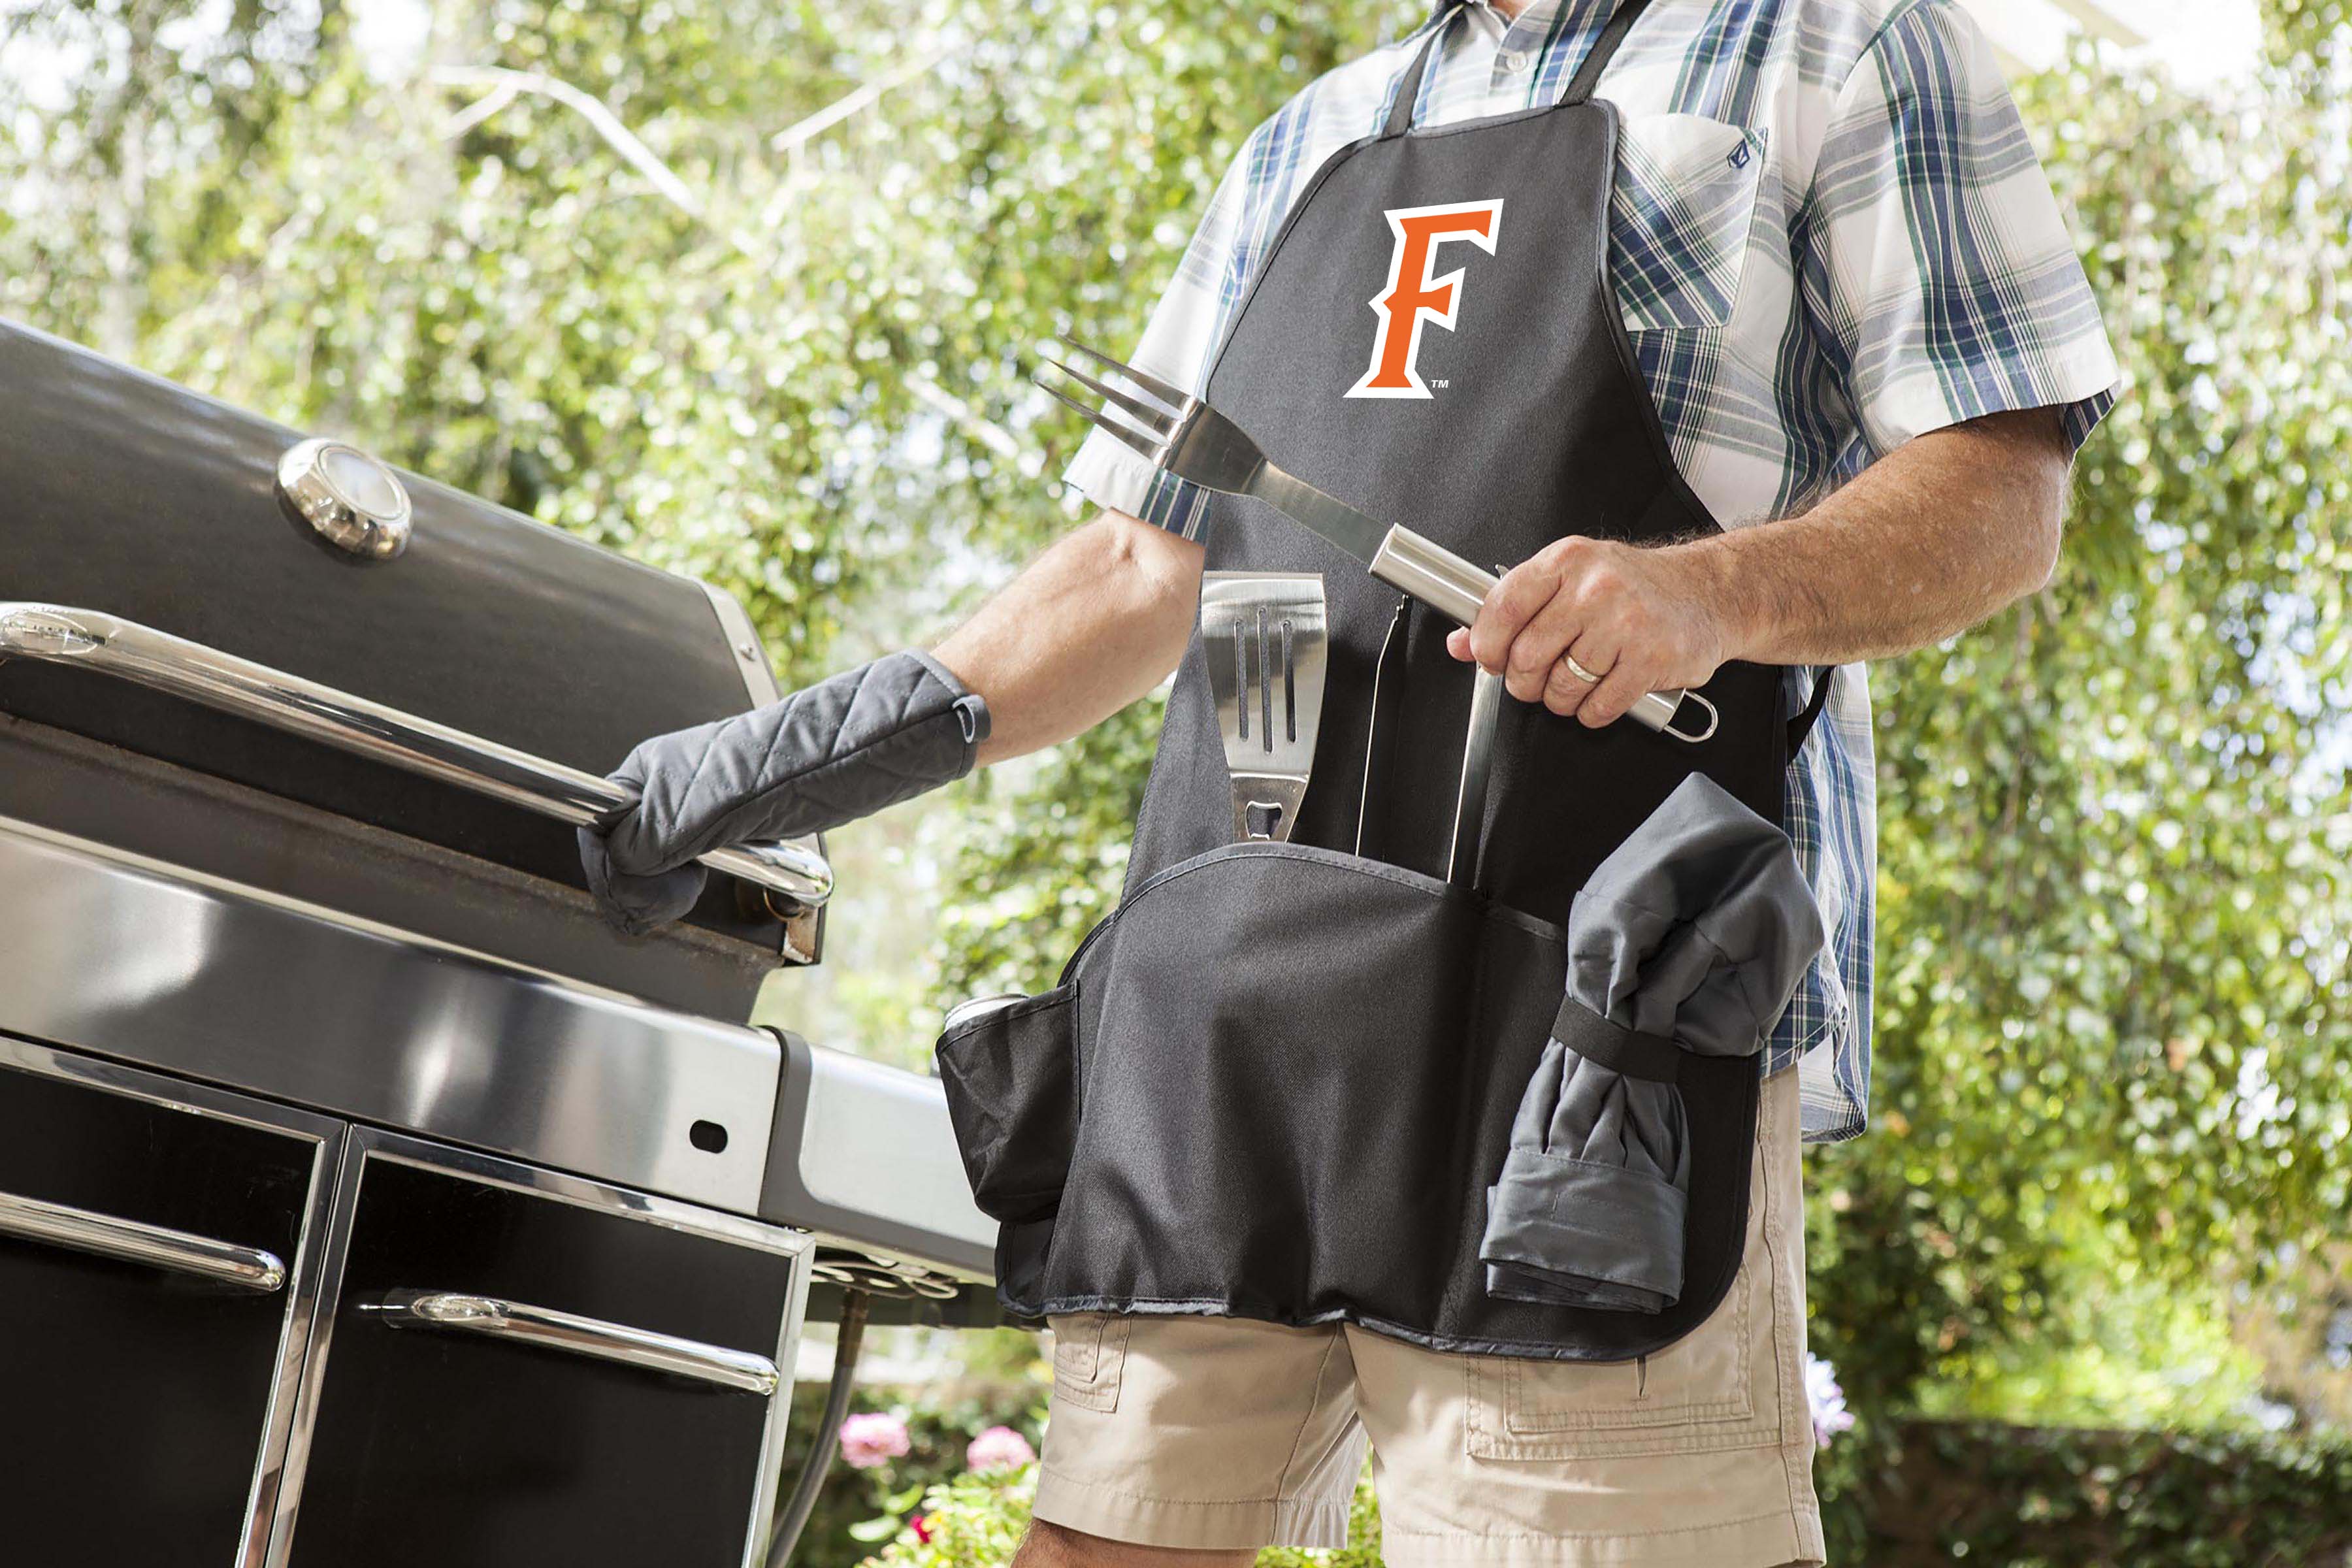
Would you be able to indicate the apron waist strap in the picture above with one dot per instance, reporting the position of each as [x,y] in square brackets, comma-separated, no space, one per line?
[1803,724]
[1597,1040]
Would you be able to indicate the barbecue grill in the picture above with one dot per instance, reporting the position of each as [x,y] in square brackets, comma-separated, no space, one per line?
[365,1198]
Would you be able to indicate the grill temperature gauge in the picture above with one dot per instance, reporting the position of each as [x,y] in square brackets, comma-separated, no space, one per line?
[352,499]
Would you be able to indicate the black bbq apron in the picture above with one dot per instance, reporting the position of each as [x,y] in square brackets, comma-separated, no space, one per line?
[1277,1082]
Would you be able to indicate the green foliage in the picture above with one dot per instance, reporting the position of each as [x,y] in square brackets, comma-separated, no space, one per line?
[2137,1353]
[1045,860]
[2008,1497]
[2115,1015]
[1934,1493]
[2310,31]
[972,1521]
[977,1520]
[857,1507]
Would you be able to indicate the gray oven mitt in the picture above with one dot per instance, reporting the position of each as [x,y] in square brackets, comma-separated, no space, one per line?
[840,750]
[1696,931]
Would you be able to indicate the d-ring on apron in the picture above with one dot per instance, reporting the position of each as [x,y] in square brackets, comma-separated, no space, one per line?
[1277,1082]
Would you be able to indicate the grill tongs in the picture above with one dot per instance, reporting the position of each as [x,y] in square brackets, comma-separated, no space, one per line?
[1185,437]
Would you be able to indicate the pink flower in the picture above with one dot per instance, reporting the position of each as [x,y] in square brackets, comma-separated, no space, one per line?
[998,1448]
[872,1439]
[921,1525]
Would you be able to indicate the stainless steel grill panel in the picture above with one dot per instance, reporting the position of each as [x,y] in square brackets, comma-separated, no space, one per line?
[135,959]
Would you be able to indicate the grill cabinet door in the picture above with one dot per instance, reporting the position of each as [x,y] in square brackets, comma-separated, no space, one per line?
[561,1376]
[156,1295]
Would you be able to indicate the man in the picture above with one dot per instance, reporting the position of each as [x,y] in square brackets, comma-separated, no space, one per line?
[1863,342]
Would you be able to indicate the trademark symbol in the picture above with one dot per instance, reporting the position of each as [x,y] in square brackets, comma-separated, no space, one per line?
[1440,381]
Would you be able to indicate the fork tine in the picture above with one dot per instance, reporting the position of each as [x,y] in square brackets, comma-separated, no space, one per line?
[1101,420]
[1154,419]
[1172,397]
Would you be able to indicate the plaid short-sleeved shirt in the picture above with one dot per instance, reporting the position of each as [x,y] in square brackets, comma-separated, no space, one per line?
[1829,234]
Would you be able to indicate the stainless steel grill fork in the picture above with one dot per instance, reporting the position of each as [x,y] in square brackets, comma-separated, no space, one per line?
[1184,435]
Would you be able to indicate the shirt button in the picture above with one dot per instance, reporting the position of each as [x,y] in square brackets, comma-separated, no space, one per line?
[1517,59]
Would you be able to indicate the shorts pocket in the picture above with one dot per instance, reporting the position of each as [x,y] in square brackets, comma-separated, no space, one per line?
[1711,1389]
[1680,214]
[1090,1359]
[1010,1077]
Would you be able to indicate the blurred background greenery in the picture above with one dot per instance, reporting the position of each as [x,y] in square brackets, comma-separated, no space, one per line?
[747,288]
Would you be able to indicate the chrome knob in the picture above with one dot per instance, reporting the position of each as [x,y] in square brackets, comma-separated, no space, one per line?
[354,501]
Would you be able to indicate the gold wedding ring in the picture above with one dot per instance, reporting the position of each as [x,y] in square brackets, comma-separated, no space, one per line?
[1579,670]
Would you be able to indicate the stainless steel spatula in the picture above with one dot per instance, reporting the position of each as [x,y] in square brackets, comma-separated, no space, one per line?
[1267,646]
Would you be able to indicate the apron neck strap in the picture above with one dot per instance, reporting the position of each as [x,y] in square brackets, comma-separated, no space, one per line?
[1587,77]
[1604,49]
[1408,87]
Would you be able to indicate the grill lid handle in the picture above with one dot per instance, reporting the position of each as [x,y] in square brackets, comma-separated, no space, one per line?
[795,869]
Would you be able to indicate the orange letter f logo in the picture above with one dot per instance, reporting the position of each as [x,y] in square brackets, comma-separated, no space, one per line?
[1413,297]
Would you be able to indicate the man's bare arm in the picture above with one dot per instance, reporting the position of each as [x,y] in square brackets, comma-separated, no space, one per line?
[1092,624]
[1927,541]
[1924,543]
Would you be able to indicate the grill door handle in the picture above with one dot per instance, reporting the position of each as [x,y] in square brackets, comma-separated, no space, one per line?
[459,1313]
[134,1241]
[59,634]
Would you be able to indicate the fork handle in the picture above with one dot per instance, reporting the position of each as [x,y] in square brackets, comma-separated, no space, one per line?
[1416,564]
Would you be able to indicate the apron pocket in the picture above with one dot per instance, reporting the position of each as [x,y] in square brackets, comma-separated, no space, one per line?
[1287,1092]
[1299,1071]
[1011,1080]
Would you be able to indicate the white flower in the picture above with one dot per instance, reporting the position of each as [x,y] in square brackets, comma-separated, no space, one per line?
[1822,1392]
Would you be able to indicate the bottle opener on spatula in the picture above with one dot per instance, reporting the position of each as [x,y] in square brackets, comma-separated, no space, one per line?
[1268,643]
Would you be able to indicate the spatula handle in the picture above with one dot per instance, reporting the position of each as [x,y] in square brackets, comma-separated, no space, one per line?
[1416,564]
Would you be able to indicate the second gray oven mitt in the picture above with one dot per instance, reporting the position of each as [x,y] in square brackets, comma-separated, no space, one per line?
[837,751]
[1697,930]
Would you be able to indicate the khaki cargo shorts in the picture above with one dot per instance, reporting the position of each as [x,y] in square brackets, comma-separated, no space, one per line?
[1228,1433]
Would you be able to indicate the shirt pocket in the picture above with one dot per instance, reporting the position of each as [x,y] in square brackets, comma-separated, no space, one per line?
[1680,214]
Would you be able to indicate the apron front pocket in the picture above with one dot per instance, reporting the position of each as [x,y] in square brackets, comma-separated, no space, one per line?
[1286,1090]
[1295,1073]
[1011,1080]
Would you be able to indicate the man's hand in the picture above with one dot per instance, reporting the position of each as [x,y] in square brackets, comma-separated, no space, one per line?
[1634,620]
[1095,623]
[1925,543]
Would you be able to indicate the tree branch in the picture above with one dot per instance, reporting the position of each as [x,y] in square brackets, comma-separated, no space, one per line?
[841,109]
[607,124]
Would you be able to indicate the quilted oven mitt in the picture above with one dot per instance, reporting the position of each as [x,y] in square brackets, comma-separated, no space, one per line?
[1696,931]
[842,749]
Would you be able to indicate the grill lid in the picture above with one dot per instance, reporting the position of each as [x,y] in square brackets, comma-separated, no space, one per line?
[270,591]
